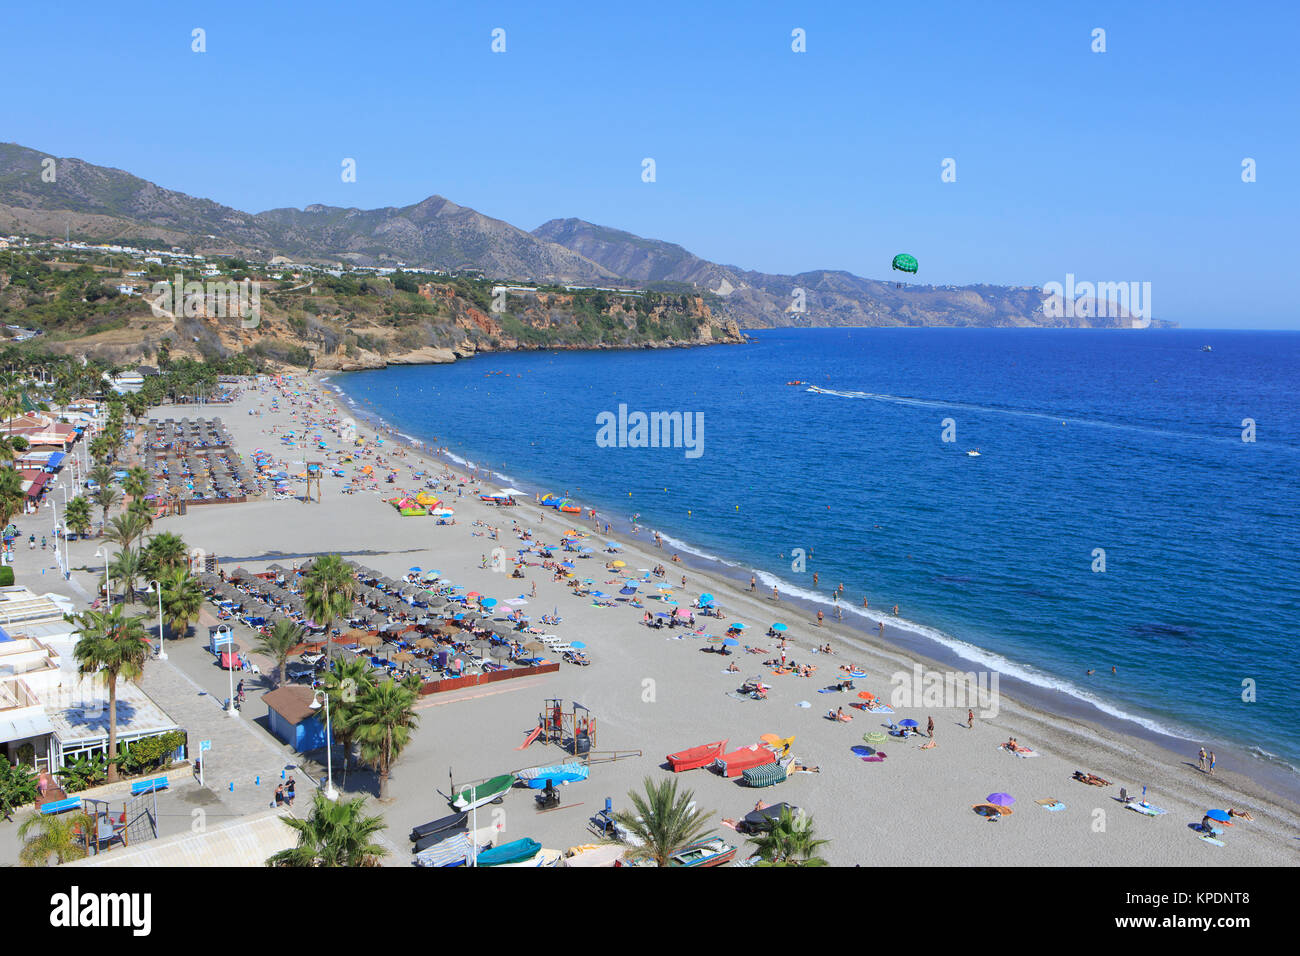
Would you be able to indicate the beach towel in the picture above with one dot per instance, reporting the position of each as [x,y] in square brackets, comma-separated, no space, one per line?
[1146,809]
[877,757]
[1051,804]
[1023,752]
[831,690]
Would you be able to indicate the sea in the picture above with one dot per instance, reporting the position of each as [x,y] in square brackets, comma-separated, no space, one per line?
[1123,547]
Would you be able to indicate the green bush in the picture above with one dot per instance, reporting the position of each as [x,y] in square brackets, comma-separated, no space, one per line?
[6,576]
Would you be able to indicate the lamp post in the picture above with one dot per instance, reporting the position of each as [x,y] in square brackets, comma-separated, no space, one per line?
[230,670]
[316,697]
[108,594]
[155,586]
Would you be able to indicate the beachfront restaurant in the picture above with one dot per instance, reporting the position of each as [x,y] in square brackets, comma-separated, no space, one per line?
[292,718]
[78,713]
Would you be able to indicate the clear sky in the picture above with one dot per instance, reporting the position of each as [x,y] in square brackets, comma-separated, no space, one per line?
[1117,166]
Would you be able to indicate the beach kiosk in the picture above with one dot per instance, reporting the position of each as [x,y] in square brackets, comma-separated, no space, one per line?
[292,719]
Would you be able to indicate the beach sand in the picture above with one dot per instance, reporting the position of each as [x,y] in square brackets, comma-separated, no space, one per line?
[657,692]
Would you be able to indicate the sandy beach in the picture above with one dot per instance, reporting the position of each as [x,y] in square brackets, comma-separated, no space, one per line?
[658,691]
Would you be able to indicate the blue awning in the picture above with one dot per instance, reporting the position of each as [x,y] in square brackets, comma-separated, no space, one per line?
[56,461]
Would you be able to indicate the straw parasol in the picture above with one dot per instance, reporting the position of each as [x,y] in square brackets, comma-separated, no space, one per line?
[426,643]
[403,657]
[370,640]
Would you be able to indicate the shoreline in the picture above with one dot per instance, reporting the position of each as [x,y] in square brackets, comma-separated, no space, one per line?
[903,639]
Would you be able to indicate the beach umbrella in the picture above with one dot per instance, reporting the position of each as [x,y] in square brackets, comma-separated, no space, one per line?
[1001,799]
[619,564]
[370,640]
[404,657]
[729,642]
[426,643]
[567,564]
[737,627]
[706,598]
[488,602]
[1223,816]
[779,627]
[866,695]
[909,722]
[627,590]
[875,737]
[578,644]
[414,570]
[473,594]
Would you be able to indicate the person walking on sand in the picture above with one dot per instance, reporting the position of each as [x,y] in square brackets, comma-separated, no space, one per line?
[753,583]
[819,618]
[776,596]
[1200,759]
[970,720]
[929,729]
[882,628]
[1211,770]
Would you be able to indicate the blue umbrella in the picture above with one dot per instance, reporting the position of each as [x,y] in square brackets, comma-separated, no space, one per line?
[414,570]
[738,627]
[706,598]
[627,590]
[779,627]
[909,722]
[599,594]
[1001,799]
[730,642]
[578,644]
[1221,815]
[488,602]
[567,564]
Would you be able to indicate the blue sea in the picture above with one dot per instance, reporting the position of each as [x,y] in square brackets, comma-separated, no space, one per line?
[1114,516]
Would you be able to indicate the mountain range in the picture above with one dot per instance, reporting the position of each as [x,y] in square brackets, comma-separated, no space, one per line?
[47,196]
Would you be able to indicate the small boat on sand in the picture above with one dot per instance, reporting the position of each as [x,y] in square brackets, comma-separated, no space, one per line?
[738,761]
[516,851]
[537,777]
[481,793]
[695,757]
[711,852]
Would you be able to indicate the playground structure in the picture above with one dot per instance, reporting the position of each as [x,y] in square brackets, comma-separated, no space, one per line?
[573,730]
[102,826]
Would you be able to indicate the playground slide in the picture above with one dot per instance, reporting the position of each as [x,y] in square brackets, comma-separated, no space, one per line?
[530,738]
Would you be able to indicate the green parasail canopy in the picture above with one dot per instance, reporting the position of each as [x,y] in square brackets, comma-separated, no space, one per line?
[905,263]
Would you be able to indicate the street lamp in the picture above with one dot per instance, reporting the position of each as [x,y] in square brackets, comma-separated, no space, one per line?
[108,594]
[316,697]
[230,669]
[155,586]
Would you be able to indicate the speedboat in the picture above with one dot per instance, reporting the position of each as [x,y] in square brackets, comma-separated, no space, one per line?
[974,452]
[1206,348]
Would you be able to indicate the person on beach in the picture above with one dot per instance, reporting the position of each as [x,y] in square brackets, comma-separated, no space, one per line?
[882,628]
[775,595]
[865,605]
[929,729]
[819,618]
[753,584]
[895,610]
[970,720]
[814,579]
[289,791]
[839,613]
[1211,769]
[1201,758]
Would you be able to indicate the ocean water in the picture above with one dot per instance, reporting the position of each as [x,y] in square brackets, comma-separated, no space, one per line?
[1122,446]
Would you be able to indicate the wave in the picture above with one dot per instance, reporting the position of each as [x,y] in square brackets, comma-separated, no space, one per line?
[1026,413]
[989,660]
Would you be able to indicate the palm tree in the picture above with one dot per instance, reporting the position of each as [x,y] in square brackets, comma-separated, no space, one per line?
[141,511]
[77,515]
[12,496]
[124,529]
[136,482]
[327,593]
[58,836]
[663,821]
[111,645]
[276,643]
[790,842]
[165,552]
[336,833]
[126,569]
[382,723]
[182,599]
[346,683]
[106,496]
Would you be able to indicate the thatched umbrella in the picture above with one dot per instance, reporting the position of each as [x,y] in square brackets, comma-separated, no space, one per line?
[403,657]
[426,643]
[370,640]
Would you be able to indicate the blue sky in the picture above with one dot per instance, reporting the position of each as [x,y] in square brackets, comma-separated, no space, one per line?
[1115,166]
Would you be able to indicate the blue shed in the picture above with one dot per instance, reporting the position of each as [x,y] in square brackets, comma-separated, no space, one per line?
[292,719]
